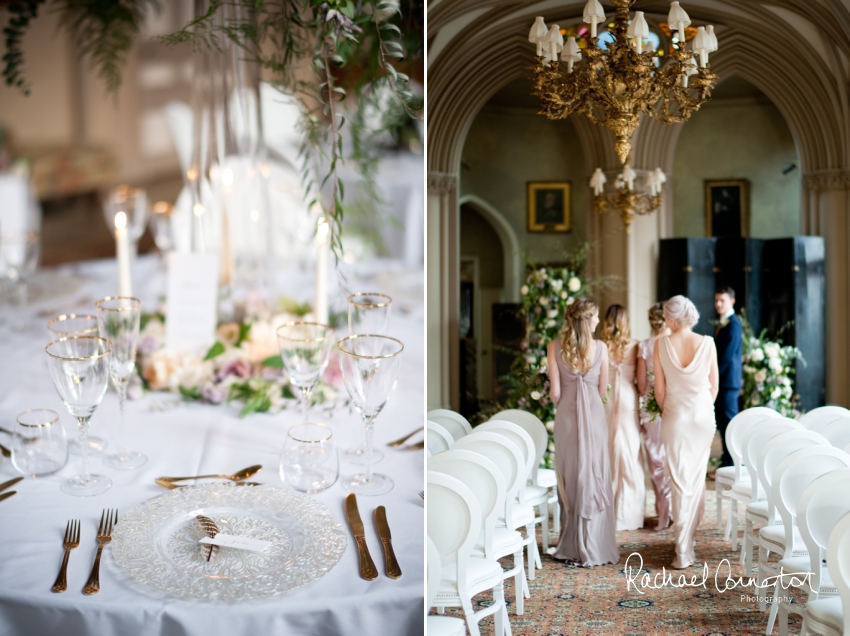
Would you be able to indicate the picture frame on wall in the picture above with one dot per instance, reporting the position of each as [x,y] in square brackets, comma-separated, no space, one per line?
[549,206]
[727,208]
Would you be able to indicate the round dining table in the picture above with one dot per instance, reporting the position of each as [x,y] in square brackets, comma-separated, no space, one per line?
[189,438]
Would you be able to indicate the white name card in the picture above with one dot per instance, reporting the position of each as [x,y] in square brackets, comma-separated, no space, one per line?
[192,300]
[232,541]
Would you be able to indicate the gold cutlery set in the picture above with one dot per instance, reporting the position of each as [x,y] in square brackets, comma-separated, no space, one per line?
[238,477]
[417,446]
[9,484]
[72,540]
[368,570]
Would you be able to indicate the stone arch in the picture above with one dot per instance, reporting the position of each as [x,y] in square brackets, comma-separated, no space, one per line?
[510,244]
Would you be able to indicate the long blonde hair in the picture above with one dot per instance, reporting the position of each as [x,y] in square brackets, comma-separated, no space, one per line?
[615,331]
[577,334]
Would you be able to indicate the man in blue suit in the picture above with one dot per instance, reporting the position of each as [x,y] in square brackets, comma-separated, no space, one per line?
[728,338]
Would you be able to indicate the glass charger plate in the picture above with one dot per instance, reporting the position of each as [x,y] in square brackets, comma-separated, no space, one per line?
[156,543]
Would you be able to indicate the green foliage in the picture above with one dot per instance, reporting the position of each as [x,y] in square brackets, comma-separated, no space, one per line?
[21,12]
[191,394]
[274,362]
[216,350]
[244,333]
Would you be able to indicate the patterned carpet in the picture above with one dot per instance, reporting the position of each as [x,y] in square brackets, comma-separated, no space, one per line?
[571,600]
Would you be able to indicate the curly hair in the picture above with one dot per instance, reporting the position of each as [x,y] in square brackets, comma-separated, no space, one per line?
[615,331]
[656,317]
[577,334]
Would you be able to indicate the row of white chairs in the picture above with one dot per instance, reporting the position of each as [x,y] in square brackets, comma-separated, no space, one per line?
[496,463]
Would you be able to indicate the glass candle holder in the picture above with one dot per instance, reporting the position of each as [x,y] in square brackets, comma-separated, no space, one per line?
[40,446]
[309,461]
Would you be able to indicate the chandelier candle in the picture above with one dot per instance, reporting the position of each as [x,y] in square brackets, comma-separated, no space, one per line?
[614,85]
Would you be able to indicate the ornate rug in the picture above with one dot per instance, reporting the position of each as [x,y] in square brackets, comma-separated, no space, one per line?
[566,599]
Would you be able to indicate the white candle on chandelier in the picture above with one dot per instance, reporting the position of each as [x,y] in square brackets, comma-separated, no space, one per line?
[597,181]
[628,177]
[537,34]
[323,248]
[638,29]
[702,44]
[122,255]
[678,19]
[593,14]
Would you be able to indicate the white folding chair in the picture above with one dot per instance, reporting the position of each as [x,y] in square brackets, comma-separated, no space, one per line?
[439,625]
[823,415]
[831,616]
[485,480]
[756,509]
[769,458]
[740,489]
[454,423]
[540,477]
[528,495]
[790,479]
[437,438]
[726,476]
[837,432]
[508,457]
[822,504]
[454,523]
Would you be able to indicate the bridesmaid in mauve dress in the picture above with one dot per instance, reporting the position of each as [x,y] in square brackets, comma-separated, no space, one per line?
[686,384]
[578,374]
[627,474]
[651,428]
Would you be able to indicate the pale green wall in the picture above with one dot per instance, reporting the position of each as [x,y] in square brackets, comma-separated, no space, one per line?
[505,149]
[738,140]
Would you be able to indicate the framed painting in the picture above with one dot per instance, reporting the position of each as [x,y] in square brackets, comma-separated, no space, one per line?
[549,206]
[727,208]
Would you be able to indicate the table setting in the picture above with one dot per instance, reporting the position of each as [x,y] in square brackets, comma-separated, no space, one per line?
[141,511]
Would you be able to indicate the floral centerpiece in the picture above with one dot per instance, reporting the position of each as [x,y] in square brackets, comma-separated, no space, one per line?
[545,296]
[767,369]
[243,366]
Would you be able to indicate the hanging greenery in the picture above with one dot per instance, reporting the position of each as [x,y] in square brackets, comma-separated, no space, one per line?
[357,52]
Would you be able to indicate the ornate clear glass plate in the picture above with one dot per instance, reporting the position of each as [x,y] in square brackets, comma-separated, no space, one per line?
[156,542]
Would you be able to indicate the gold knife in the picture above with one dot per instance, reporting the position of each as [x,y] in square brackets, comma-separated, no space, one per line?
[6,495]
[10,483]
[392,566]
[368,570]
[6,452]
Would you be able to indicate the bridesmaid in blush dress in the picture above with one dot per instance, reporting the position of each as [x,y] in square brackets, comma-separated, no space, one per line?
[651,428]
[627,475]
[578,375]
[686,384]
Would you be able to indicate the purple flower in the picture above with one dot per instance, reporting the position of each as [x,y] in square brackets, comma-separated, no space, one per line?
[148,345]
[270,373]
[239,368]
[212,394]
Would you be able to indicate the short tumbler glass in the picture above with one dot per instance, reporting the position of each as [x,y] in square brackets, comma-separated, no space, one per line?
[40,446]
[309,461]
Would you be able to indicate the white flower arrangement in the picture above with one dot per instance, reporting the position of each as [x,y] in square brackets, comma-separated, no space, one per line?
[767,366]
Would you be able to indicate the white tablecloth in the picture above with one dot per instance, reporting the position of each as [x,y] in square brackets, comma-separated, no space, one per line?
[199,439]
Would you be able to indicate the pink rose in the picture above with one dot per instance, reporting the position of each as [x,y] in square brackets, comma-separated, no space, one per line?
[239,368]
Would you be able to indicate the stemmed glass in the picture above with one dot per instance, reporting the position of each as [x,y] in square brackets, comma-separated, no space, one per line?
[370,366]
[304,349]
[134,203]
[79,366]
[20,251]
[77,325]
[368,313]
[118,320]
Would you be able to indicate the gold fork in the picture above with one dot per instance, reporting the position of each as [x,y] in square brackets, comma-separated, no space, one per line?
[402,440]
[71,541]
[104,536]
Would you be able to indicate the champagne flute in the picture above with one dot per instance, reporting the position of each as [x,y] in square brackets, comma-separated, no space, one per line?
[20,251]
[370,366]
[66,325]
[79,366]
[118,320]
[368,313]
[304,349]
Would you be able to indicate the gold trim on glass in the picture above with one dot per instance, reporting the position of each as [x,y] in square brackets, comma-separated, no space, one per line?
[100,355]
[370,305]
[48,423]
[369,335]
[64,317]
[309,441]
[108,298]
[295,323]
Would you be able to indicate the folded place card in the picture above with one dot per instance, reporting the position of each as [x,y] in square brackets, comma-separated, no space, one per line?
[192,300]
[232,541]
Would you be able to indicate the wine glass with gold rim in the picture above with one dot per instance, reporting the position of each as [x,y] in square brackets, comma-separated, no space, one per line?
[79,366]
[370,365]
[304,349]
[118,320]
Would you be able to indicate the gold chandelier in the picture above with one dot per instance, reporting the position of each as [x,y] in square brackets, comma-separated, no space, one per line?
[625,199]
[614,86]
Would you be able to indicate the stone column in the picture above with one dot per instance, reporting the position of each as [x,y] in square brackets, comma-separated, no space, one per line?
[443,292]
